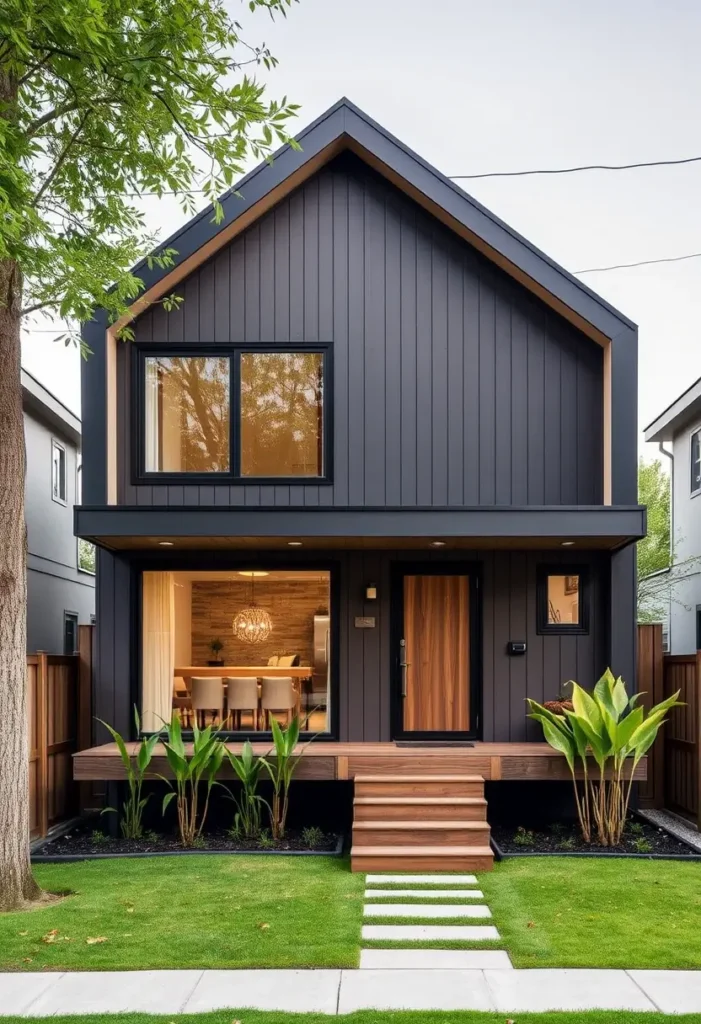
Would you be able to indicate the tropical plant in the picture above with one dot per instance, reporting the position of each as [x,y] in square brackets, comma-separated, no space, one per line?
[249,805]
[281,768]
[608,726]
[312,837]
[189,772]
[131,822]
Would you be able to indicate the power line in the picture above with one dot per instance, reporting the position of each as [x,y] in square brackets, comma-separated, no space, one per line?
[576,170]
[640,263]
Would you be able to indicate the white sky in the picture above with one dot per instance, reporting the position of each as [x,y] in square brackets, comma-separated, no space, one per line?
[506,85]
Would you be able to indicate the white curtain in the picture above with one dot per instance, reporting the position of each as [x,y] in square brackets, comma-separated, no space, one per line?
[158,649]
[151,416]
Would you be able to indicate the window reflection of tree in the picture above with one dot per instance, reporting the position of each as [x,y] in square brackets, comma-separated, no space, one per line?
[197,389]
[282,414]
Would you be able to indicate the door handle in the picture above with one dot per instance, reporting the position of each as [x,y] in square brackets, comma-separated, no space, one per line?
[403,665]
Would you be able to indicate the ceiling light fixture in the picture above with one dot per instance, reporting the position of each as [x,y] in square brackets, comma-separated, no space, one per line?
[165,543]
[252,625]
[294,543]
[567,543]
[437,543]
[253,572]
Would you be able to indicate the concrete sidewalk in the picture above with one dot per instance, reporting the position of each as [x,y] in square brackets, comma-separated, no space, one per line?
[338,992]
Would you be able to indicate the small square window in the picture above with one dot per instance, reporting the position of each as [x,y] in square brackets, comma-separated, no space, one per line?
[696,461]
[563,600]
[58,472]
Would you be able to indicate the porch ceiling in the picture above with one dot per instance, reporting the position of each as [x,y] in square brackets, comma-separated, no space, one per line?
[591,527]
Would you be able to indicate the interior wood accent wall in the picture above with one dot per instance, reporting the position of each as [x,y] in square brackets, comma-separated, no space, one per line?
[453,384]
[291,605]
[508,590]
[437,634]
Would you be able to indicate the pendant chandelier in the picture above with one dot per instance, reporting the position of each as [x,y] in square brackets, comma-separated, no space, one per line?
[252,625]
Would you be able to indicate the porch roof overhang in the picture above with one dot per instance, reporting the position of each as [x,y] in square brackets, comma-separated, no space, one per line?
[604,527]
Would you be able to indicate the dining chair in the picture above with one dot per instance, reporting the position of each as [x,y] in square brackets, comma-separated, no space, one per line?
[242,695]
[277,694]
[207,694]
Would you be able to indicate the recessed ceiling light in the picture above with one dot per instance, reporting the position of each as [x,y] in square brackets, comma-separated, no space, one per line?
[567,543]
[165,543]
[294,543]
[437,543]
[253,572]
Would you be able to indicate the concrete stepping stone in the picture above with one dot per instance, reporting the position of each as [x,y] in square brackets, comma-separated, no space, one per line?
[423,910]
[427,894]
[433,879]
[429,932]
[435,959]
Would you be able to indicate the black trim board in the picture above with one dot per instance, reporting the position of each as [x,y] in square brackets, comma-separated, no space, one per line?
[488,521]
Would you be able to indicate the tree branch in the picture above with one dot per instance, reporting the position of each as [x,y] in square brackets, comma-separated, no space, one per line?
[59,163]
[51,115]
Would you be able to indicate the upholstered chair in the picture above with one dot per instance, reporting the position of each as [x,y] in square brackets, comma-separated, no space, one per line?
[207,694]
[278,694]
[242,695]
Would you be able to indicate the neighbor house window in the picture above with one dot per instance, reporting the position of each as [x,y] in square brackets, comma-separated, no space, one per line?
[696,461]
[58,472]
[70,632]
[562,601]
[186,411]
[282,414]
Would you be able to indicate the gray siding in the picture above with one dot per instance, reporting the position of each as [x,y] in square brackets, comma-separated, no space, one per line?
[54,584]
[508,613]
[453,385]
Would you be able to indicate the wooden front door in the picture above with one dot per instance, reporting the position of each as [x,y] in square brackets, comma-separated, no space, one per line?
[434,655]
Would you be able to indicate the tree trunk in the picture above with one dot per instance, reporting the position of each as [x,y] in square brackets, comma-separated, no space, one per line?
[17,886]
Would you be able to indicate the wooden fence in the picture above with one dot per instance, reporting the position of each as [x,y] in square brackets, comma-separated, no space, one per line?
[59,712]
[674,763]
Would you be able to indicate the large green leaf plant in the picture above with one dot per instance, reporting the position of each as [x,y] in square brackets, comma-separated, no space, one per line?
[192,770]
[612,729]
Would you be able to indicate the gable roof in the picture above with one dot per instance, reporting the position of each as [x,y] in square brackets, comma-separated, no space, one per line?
[675,417]
[345,126]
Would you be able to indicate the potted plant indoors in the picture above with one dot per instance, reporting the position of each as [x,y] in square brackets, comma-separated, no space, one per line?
[216,647]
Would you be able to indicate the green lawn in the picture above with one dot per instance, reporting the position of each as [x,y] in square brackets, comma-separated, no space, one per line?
[205,911]
[370,1017]
[211,911]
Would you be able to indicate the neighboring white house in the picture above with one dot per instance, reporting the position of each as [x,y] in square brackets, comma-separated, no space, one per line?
[680,424]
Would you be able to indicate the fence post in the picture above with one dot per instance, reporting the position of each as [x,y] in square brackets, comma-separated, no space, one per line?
[42,709]
[85,644]
[650,682]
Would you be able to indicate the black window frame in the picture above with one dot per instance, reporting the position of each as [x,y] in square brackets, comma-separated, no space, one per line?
[70,616]
[58,445]
[695,481]
[545,628]
[232,351]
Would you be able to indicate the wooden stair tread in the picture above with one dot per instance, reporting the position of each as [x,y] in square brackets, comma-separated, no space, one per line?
[419,778]
[464,801]
[421,851]
[428,825]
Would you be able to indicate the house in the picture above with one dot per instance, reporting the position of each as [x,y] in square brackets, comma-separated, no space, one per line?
[385,450]
[680,425]
[60,573]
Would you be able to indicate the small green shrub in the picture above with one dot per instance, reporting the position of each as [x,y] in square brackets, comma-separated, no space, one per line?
[566,844]
[642,845]
[524,836]
[199,842]
[131,821]
[98,837]
[249,805]
[312,837]
[265,840]
[151,836]
[635,828]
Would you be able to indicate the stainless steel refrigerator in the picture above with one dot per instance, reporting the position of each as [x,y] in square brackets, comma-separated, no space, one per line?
[321,667]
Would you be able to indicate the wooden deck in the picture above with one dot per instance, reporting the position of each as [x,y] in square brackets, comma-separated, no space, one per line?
[331,761]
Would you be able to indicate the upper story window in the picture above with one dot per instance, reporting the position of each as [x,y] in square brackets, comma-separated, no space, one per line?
[186,414]
[58,472]
[562,600]
[244,412]
[696,461]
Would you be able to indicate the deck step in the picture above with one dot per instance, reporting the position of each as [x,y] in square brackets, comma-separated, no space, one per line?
[421,858]
[420,808]
[419,785]
[408,833]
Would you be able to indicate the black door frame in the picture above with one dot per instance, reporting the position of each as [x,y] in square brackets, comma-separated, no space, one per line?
[449,568]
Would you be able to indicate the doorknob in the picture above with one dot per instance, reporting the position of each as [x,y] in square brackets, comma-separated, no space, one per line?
[403,664]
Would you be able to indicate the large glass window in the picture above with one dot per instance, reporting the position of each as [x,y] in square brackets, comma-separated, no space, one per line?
[236,648]
[187,417]
[696,461]
[282,414]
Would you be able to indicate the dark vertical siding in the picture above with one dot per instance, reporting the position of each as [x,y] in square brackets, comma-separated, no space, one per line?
[508,613]
[452,384]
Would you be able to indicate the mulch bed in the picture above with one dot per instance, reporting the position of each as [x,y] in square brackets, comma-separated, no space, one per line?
[639,837]
[86,839]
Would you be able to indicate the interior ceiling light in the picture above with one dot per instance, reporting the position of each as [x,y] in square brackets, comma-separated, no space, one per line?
[437,543]
[567,543]
[165,543]
[252,625]
[253,572]
[294,543]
